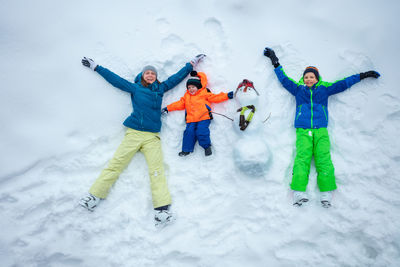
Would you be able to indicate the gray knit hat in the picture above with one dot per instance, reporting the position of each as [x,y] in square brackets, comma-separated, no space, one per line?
[149,67]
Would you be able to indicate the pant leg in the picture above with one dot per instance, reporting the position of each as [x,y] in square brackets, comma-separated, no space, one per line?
[203,133]
[189,137]
[302,162]
[153,153]
[323,162]
[127,149]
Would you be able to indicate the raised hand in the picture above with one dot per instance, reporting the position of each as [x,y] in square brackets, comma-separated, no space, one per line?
[88,62]
[197,59]
[268,52]
[371,73]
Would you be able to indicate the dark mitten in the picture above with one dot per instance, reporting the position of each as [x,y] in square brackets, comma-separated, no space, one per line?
[164,111]
[371,73]
[230,95]
[268,52]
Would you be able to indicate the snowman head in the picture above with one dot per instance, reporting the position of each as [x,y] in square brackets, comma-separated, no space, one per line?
[246,94]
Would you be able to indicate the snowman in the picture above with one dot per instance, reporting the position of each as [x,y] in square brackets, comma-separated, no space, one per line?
[250,153]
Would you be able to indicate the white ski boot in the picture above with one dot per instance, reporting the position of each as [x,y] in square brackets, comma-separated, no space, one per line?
[326,199]
[89,202]
[163,218]
[299,198]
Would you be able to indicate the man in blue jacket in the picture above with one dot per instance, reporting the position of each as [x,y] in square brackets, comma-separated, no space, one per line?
[311,120]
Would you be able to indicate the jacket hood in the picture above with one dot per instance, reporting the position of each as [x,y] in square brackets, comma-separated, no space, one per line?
[203,81]
[138,77]
[320,82]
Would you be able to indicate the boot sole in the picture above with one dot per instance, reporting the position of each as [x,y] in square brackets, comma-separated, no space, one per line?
[300,202]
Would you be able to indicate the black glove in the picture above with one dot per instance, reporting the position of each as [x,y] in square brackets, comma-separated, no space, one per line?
[164,111]
[268,52]
[371,73]
[230,95]
[88,62]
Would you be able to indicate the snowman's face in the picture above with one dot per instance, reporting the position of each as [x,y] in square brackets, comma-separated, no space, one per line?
[246,96]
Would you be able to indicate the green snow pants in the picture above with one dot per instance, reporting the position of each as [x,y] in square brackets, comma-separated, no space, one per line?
[150,145]
[311,142]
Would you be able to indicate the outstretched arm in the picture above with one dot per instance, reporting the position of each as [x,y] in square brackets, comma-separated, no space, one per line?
[108,75]
[178,105]
[115,80]
[217,98]
[175,79]
[286,82]
[341,85]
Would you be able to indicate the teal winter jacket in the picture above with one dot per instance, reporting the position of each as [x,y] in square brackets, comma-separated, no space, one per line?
[312,103]
[146,101]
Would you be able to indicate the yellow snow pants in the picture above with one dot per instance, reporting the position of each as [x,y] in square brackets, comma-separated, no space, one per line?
[150,145]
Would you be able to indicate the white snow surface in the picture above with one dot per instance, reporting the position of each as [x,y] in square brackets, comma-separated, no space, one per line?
[62,122]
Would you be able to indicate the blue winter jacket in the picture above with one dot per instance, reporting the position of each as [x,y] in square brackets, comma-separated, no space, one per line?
[312,103]
[146,101]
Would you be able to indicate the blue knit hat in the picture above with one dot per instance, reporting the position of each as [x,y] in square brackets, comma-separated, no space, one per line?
[313,70]
[149,67]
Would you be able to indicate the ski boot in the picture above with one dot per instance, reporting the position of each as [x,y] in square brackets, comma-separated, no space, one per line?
[208,151]
[89,202]
[299,198]
[326,199]
[183,153]
[163,218]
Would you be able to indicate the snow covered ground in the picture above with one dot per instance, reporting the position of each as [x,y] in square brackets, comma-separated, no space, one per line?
[61,123]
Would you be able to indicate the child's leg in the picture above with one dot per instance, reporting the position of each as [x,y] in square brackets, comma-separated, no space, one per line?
[159,188]
[304,152]
[323,162]
[203,133]
[127,149]
[189,137]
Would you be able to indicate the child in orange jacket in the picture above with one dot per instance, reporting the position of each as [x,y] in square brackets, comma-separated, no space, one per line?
[197,103]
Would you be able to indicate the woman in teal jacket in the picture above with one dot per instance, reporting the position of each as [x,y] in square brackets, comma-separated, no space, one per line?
[143,127]
[311,120]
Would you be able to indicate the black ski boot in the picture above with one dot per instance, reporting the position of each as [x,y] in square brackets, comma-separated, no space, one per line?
[208,151]
[182,153]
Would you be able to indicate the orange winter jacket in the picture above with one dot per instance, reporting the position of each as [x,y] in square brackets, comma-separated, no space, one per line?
[198,106]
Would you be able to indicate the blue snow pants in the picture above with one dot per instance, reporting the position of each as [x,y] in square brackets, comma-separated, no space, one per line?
[196,131]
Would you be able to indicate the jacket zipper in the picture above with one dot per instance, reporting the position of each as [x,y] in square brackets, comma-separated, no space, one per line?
[326,117]
[312,113]
[298,114]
